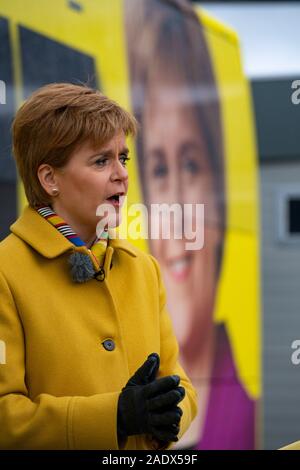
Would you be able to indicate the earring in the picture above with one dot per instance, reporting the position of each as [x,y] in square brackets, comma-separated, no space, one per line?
[55,191]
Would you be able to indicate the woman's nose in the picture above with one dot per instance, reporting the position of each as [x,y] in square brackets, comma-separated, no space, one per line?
[176,187]
[119,171]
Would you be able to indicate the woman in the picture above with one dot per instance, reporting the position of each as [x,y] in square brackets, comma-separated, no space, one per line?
[91,357]
[181,160]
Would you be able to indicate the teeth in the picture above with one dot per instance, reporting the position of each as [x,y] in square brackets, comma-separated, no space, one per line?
[118,198]
[180,264]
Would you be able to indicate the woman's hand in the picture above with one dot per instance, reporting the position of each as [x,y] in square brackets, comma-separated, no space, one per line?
[148,405]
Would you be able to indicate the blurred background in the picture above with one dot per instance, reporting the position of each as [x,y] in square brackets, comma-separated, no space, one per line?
[214,86]
[268,35]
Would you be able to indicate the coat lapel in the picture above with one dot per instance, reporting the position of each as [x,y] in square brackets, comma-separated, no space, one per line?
[37,232]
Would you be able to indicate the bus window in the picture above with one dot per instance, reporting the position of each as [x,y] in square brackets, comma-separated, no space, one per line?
[45,60]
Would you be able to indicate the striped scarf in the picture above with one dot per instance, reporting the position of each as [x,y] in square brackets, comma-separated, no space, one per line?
[97,250]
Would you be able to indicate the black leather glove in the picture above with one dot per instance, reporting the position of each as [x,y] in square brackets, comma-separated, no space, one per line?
[147,372]
[150,408]
[167,429]
[164,433]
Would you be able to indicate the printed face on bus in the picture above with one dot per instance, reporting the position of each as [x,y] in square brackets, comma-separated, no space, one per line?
[178,170]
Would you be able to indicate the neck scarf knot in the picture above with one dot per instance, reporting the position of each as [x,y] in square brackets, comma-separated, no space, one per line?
[85,263]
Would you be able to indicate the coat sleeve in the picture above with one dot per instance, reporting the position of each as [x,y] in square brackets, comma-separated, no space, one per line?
[45,422]
[169,365]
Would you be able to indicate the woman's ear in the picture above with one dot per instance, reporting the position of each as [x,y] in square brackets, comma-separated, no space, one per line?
[47,178]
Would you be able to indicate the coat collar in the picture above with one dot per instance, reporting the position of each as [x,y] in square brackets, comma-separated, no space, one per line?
[37,232]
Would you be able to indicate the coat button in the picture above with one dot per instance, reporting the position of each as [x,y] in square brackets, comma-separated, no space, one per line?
[109,345]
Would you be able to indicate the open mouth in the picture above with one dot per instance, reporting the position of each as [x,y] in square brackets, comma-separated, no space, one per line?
[180,267]
[116,199]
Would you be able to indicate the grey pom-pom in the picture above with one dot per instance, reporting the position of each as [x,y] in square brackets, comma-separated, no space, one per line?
[82,268]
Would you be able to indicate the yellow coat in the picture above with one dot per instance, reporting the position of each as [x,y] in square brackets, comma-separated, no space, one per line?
[59,386]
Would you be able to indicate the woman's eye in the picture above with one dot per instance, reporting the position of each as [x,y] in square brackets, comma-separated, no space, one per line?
[160,170]
[101,161]
[125,159]
[191,165]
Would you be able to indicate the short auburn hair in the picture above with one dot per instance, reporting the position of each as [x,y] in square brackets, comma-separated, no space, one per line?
[54,121]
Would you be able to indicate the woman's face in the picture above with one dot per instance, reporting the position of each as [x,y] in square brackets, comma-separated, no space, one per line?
[177,170]
[89,178]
